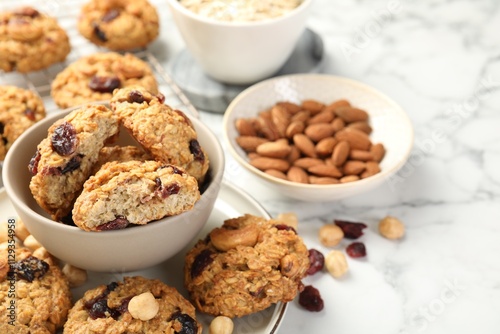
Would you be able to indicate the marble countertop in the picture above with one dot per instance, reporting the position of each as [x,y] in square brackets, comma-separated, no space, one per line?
[440,60]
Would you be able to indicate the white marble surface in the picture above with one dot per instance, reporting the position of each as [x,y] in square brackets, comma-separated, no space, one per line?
[441,61]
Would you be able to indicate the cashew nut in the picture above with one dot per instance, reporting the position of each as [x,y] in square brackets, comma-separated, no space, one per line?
[225,239]
[143,307]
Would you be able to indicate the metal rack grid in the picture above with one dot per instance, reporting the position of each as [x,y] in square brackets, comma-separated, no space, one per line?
[66,12]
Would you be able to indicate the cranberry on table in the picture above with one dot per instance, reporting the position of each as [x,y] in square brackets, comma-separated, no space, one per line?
[317,261]
[310,299]
[356,249]
[352,230]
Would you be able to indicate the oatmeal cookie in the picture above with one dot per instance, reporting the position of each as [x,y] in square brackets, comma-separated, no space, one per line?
[245,266]
[63,161]
[93,78]
[30,41]
[36,289]
[119,24]
[164,132]
[133,192]
[120,154]
[19,109]
[105,309]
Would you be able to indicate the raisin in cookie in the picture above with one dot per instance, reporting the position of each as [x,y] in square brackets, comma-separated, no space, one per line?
[133,192]
[164,132]
[64,160]
[120,154]
[30,41]
[34,294]
[110,309]
[119,24]
[245,266]
[19,109]
[93,78]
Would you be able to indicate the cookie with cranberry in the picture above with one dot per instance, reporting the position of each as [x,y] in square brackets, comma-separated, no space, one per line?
[94,77]
[113,308]
[119,24]
[30,40]
[63,161]
[133,192]
[34,294]
[19,109]
[167,134]
[245,266]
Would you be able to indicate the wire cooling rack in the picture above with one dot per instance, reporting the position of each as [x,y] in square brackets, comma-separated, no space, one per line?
[66,12]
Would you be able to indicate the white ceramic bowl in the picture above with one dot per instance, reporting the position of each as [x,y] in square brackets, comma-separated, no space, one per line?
[391,126]
[240,52]
[111,251]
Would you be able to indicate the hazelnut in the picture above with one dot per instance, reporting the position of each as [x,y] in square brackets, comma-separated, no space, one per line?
[75,275]
[31,243]
[330,235]
[21,230]
[143,307]
[391,228]
[289,219]
[221,325]
[336,263]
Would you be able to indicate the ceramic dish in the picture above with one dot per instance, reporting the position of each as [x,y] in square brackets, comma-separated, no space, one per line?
[391,126]
[231,202]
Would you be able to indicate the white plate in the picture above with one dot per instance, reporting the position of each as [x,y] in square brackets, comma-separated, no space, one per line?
[232,202]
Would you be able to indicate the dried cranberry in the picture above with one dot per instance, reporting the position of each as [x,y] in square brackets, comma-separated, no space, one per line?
[30,268]
[195,148]
[27,11]
[2,128]
[119,223]
[99,33]
[110,15]
[104,84]
[201,261]
[176,170]
[161,97]
[284,227]
[124,305]
[33,165]
[351,230]
[189,325]
[30,114]
[136,97]
[310,299]
[99,309]
[259,293]
[356,249]
[64,139]
[166,191]
[111,287]
[73,163]
[316,260]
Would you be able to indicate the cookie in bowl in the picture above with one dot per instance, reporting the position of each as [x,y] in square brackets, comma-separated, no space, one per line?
[94,77]
[136,305]
[19,109]
[245,266]
[36,289]
[30,40]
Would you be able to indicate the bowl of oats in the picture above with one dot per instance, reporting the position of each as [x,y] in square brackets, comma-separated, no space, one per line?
[240,41]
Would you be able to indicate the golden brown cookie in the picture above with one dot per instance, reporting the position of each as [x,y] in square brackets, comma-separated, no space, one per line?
[108,309]
[93,78]
[64,160]
[19,109]
[119,154]
[34,294]
[30,40]
[245,266]
[119,24]
[165,133]
[133,192]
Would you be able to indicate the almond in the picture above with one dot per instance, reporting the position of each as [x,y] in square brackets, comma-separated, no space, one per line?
[293,155]
[353,167]
[324,170]
[378,152]
[265,163]
[246,127]
[253,155]
[337,124]
[325,116]
[372,168]
[322,180]
[281,119]
[337,104]
[319,131]
[349,178]
[276,173]
[267,127]
[325,146]
[340,153]
[302,116]
[277,149]
[291,107]
[360,155]
[250,143]
[350,114]
[305,145]
[294,128]
[297,174]
[362,126]
[358,140]
[306,163]
[313,106]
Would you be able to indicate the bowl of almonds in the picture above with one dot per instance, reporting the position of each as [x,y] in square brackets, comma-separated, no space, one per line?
[318,137]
